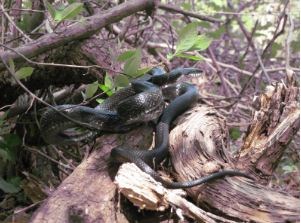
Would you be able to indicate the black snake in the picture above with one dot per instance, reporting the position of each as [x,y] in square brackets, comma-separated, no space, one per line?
[141,102]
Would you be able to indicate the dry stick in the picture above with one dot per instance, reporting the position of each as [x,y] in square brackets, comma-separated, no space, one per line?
[171,8]
[58,64]
[77,31]
[14,24]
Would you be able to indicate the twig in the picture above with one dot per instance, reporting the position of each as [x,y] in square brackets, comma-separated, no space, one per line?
[126,27]
[50,158]
[42,101]
[58,64]
[288,41]
[252,44]
[79,30]
[282,20]
[252,35]
[14,24]
[218,71]
[172,8]
[28,207]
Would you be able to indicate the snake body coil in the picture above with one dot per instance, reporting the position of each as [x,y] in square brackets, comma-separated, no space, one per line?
[141,102]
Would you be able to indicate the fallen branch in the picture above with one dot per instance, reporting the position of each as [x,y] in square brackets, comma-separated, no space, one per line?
[77,31]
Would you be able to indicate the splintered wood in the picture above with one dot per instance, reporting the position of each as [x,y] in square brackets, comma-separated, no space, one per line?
[199,145]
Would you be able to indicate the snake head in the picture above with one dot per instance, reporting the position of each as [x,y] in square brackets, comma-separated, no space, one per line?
[173,75]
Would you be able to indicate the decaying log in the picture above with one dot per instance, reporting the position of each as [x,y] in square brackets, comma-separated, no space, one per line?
[89,192]
[199,145]
[272,129]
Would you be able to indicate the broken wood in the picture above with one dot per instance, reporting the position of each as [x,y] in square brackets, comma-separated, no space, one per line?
[199,145]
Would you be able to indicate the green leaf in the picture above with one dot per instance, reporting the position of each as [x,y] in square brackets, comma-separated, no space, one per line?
[10,143]
[11,65]
[187,37]
[121,81]
[234,133]
[133,63]
[248,21]
[126,55]
[220,3]
[289,168]
[186,6]
[141,71]
[106,89]
[100,100]
[169,56]
[24,72]
[69,12]
[217,33]
[201,42]
[8,187]
[108,81]
[91,89]
[276,47]
[190,57]
[50,9]
[4,155]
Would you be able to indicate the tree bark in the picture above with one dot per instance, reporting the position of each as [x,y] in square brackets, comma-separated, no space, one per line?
[89,194]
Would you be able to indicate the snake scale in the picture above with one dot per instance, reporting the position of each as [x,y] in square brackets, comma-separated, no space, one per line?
[141,102]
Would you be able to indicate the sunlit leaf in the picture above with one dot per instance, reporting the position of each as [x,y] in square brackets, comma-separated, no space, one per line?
[69,12]
[201,42]
[126,55]
[248,21]
[169,56]
[24,72]
[106,89]
[50,9]
[121,81]
[133,63]
[186,6]
[190,57]
[187,37]
[108,81]
[141,72]
[100,100]
[11,65]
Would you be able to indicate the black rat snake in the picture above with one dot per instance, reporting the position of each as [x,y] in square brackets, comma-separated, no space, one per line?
[141,102]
